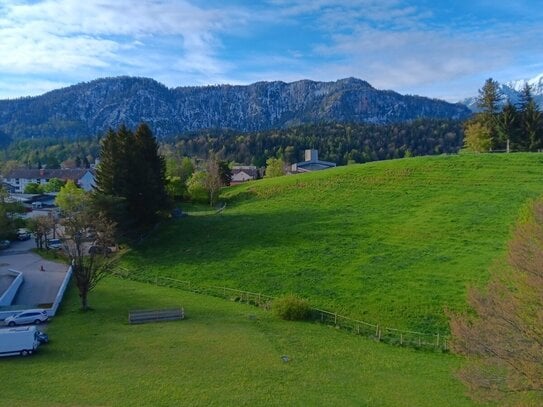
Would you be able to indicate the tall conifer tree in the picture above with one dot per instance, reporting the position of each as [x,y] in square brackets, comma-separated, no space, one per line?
[131,177]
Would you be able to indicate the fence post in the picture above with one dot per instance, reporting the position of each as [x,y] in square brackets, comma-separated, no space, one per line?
[379,336]
[377,330]
[322,317]
[437,340]
[358,328]
[335,319]
[401,339]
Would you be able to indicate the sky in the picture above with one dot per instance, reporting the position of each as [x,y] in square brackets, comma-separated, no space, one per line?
[436,48]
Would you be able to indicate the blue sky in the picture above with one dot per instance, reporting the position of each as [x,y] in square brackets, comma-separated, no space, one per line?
[443,49]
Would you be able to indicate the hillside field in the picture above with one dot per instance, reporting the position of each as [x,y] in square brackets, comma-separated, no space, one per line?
[391,242]
[223,353]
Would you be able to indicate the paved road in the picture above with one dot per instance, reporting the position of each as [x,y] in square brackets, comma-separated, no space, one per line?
[18,248]
[39,287]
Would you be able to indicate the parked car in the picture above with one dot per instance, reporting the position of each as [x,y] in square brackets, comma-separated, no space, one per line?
[100,250]
[33,316]
[23,234]
[54,244]
[4,244]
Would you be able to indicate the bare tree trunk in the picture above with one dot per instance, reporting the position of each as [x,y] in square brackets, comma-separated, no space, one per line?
[84,301]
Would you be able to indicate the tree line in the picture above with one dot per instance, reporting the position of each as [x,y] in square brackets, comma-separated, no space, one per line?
[504,126]
[337,142]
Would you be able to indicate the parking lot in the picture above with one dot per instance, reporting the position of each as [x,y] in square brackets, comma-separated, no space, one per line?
[39,287]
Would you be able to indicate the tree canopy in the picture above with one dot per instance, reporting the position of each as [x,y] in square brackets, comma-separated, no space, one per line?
[502,338]
[132,170]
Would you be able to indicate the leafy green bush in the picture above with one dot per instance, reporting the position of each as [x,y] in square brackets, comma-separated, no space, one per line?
[291,308]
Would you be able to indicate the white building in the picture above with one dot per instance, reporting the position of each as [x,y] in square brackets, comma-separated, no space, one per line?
[20,178]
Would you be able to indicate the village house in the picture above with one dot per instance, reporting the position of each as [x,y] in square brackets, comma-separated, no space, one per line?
[18,179]
[243,173]
[311,163]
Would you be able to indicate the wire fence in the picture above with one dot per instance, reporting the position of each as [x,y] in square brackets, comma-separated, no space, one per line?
[380,333]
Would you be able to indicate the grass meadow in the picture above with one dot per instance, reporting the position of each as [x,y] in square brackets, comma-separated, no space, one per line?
[224,353]
[392,242]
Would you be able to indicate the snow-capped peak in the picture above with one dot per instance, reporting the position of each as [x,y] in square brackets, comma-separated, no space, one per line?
[536,84]
[511,91]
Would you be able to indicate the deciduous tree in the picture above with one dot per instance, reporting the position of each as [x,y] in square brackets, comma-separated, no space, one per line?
[275,167]
[8,211]
[54,185]
[41,226]
[503,337]
[477,137]
[33,188]
[213,181]
[71,198]
[89,266]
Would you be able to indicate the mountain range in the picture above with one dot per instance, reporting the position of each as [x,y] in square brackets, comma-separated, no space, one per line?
[511,91]
[92,107]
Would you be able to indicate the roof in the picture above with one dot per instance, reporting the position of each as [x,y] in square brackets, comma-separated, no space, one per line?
[314,166]
[7,187]
[66,173]
[247,169]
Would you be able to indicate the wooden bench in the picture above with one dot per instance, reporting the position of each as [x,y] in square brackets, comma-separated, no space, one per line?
[143,316]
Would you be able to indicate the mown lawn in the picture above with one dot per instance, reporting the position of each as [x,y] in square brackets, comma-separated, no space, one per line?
[224,353]
[391,242]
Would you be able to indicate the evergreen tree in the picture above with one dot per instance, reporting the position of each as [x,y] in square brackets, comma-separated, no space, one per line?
[525,97]
[490,97]
[507,126]
[488,101]
[225,173]
[149,187]
[106,171]
[131,175]
[533,126]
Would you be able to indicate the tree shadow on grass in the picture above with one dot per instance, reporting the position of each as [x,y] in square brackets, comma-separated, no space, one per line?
[220,238]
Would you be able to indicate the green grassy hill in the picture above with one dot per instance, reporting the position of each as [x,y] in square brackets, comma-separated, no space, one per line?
[389,242]
[223,354]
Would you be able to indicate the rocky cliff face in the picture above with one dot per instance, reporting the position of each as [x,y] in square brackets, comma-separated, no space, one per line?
[93,107]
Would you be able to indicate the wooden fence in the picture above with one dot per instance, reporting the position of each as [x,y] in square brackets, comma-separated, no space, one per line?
[381,333]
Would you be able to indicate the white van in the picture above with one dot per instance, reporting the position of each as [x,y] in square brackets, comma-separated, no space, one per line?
[18,341]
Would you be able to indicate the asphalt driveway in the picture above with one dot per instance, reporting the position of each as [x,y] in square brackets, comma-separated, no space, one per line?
[39,287]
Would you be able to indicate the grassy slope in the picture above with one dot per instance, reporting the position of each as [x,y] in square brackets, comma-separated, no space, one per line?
[218,356]
[389,242]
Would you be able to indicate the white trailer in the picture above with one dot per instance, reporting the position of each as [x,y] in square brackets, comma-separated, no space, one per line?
[18,341]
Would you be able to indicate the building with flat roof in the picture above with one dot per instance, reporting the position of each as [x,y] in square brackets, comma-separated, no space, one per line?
[311,163]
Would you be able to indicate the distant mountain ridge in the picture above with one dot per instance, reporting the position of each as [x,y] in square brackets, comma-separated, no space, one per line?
[92,107]
[511,91]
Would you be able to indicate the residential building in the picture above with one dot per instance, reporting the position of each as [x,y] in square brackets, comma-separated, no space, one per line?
[243,173]
[20,178]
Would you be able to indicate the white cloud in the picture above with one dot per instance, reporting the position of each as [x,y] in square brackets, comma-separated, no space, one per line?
[415,58]
[15,88]
[393,44]
[85,39]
